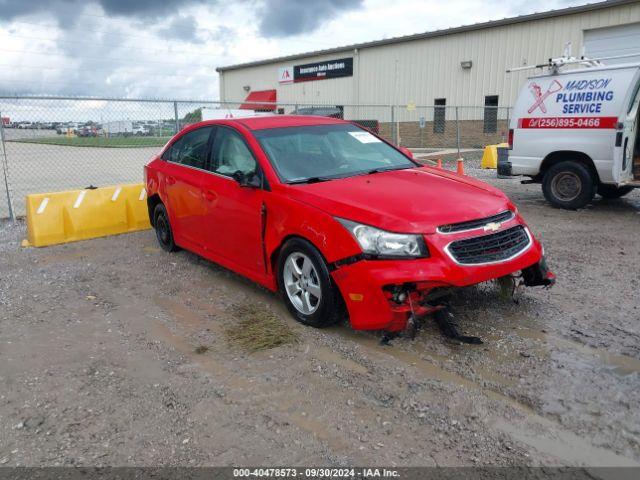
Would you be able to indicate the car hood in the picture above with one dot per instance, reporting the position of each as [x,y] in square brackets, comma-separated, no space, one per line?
[416,200]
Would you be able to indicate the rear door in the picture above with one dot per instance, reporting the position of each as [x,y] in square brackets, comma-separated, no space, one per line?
[185,172]
[626,141]
[233,212]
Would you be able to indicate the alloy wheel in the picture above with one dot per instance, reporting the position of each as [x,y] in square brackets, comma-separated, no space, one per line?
[302,283]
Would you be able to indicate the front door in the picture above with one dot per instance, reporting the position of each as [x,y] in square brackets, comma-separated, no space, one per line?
[234,212]
[185,173]
[629,152]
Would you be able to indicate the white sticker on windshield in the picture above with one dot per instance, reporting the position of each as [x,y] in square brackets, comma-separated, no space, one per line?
[364,137]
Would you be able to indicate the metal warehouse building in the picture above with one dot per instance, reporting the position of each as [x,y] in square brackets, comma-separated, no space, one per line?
[425,74]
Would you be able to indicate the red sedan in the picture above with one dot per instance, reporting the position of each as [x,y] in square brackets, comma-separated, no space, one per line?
[335,218]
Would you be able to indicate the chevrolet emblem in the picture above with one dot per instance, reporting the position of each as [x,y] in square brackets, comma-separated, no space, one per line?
[492,227]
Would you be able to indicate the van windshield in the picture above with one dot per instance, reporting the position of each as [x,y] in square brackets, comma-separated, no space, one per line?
[324,152]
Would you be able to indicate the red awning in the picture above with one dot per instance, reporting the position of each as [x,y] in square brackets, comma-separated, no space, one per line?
[260,96]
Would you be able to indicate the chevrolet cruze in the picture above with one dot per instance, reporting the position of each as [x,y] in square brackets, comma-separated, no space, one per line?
[339,221]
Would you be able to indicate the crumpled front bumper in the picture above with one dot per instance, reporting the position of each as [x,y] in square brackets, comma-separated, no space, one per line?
[370,287]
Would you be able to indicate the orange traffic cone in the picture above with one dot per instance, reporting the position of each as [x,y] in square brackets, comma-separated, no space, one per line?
[460,170]
[439,163]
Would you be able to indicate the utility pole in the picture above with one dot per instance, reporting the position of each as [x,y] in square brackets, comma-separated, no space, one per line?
[397,101]
[175,113]
[5,167]
[457,132]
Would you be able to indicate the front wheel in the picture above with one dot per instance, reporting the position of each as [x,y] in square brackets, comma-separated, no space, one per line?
[306,285]
[569,185]
[612,192]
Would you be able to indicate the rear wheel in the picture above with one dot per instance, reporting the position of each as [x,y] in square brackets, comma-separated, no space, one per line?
[612,192]
[569,185]
[306,285]
[164,234]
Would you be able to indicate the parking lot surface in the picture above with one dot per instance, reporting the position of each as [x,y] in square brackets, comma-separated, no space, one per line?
[113,352]
[38,168]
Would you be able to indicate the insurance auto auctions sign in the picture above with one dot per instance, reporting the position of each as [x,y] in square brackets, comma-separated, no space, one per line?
[574,101]
[342,67]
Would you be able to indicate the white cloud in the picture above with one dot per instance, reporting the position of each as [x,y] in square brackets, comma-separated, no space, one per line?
[118,51]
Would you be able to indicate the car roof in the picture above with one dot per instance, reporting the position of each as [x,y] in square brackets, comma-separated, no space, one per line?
[279,121]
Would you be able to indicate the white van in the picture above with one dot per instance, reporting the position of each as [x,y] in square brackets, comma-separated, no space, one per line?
[576,133]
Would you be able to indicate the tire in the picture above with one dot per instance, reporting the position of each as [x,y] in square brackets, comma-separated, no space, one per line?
[569,185]
[164,234]
[323,305]
[612,192]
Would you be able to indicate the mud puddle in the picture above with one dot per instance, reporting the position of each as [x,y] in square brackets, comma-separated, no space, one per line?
[617,364]
[541,433]
[561,444]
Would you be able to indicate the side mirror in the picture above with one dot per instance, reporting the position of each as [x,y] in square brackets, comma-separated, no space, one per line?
[251,180]
[407,152]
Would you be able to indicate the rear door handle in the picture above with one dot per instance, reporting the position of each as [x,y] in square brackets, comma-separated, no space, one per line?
[209,195]
[171,181]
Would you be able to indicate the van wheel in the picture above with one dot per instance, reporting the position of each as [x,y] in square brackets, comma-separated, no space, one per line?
[612,192]
[306,285]
[164,234]
[568,185]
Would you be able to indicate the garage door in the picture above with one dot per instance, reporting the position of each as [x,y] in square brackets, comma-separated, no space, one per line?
[609,41]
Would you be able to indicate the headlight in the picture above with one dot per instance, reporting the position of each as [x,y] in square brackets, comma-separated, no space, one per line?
[374,241]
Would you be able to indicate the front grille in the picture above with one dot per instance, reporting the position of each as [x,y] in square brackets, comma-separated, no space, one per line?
[490,248]
[473,224]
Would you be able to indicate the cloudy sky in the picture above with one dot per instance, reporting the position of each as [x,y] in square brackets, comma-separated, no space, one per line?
[170,48]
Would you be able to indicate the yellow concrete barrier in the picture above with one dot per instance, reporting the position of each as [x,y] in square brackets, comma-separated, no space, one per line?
[62,217]
[490,155]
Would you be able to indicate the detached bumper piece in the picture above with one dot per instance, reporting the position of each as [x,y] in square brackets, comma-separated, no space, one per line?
[538,275]
[415,302]
[412,302]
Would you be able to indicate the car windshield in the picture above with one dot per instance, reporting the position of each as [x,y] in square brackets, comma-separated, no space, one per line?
[324,152]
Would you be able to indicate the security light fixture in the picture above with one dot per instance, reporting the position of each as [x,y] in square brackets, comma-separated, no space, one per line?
[246,88]
[466,64]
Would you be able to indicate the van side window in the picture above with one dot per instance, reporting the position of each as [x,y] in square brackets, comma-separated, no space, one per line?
[490,114]
[231,154]
[635,98]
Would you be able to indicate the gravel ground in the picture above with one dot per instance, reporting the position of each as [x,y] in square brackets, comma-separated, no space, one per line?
[113,352]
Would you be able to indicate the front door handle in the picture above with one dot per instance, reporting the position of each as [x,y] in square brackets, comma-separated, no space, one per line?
[209,196]
[171,181]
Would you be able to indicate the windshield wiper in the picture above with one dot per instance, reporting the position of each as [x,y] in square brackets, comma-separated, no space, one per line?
[380,170]
[309,180]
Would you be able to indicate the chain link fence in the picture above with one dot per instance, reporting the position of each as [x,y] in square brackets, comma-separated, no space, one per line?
[50,144]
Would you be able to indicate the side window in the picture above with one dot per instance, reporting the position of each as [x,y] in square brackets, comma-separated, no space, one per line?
[231,154]
[191,149]
[635,98]
[174,152]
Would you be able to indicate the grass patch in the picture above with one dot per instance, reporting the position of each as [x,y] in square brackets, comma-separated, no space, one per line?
[100,142]
[258,329]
